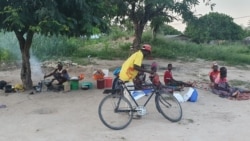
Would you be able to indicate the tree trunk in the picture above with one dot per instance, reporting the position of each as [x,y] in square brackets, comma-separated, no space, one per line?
[138,34]
[25,48]
[154,32]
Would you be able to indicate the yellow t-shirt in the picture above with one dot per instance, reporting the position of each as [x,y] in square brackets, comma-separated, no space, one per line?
[128,72]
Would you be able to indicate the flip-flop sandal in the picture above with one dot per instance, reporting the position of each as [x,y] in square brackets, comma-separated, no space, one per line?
[235,94]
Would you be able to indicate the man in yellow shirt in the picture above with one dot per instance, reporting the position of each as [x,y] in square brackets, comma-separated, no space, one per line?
[132,65]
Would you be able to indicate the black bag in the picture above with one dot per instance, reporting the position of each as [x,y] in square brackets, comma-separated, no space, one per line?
[2,84]
[8,89]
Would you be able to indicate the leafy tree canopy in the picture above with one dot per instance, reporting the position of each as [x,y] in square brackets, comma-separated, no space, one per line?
[140,12]
[70,17]
[169,30]
[214,26]
[48,17]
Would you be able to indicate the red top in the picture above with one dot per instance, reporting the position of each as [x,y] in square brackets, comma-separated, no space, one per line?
[220,80]
[214,74]
[167,76]
[155,79]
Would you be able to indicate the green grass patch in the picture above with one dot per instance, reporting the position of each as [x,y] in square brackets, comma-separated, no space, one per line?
[116,46]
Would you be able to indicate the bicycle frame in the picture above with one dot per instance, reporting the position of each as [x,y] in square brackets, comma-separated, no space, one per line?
[155,91]
[117,103]
[125,87]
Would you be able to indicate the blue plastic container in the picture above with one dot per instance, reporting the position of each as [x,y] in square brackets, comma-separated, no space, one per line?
[194,96]
[137,94]
[148,91]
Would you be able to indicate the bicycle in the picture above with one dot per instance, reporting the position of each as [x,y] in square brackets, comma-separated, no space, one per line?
[116,111]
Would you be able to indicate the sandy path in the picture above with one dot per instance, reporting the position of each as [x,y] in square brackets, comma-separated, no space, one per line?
[72,116]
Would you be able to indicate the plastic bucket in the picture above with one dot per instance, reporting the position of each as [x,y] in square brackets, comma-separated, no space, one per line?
[74,84]
[100,83]
[108,82]
[86,85]
[194,96]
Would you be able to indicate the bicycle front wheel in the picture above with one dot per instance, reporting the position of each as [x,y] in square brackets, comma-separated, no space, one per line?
[168,106]
[115,112]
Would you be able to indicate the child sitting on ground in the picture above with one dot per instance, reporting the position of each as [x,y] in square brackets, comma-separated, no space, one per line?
[213,74]
[155,79]
[171,82]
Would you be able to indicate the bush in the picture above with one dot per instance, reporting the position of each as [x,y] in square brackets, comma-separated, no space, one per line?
[59,47]
[48,47]
[6,55]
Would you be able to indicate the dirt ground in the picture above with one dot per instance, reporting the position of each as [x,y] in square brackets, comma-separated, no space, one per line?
[72,116]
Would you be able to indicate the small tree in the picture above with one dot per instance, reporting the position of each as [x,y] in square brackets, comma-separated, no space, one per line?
[140,12]
[48,17]
[214,26]
[169,30]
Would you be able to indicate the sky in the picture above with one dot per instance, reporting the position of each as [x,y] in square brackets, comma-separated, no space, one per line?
[239,10]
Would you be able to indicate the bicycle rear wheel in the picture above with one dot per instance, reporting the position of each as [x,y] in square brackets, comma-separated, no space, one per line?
[115,112]
[168,106]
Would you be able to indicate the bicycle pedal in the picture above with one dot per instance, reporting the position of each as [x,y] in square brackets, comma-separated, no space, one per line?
[137,116]
[107,91]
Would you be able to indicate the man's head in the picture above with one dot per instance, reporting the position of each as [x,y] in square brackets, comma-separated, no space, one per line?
[59,66]
[170,66]
[146,49]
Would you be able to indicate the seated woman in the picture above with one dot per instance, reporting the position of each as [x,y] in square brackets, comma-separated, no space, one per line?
[223,89]
[60,74]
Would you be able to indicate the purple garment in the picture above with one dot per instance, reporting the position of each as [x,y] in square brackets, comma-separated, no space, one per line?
[3,106]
